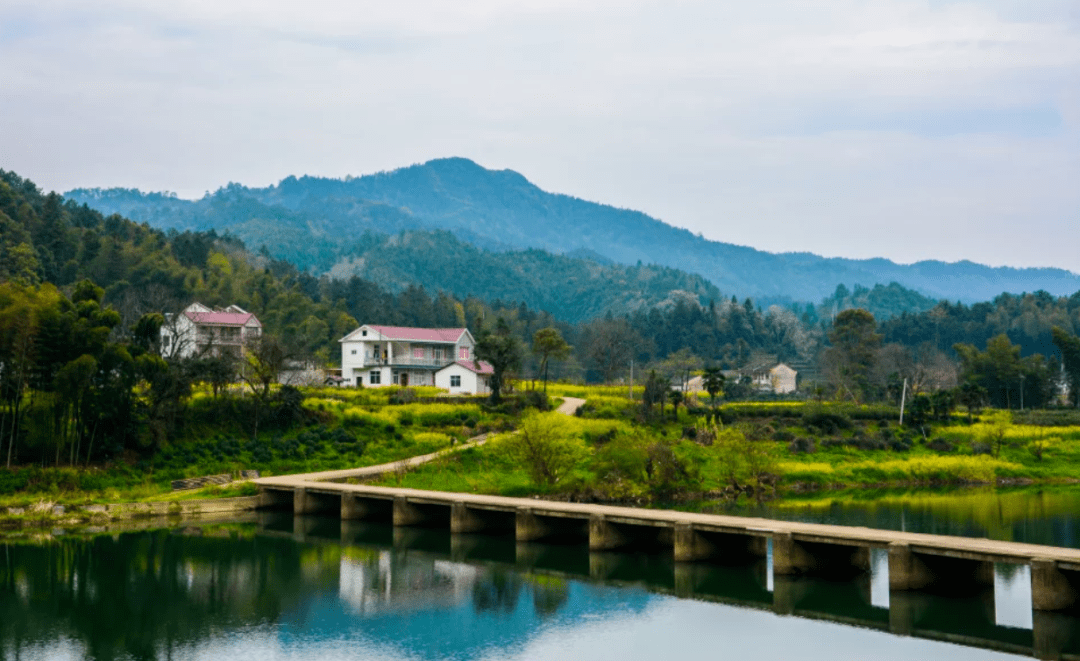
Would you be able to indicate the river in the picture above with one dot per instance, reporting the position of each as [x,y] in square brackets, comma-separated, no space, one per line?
[284,587]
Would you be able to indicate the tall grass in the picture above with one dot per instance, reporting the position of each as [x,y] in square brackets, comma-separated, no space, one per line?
[922,470]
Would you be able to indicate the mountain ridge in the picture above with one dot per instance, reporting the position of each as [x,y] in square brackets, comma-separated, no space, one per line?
[501,210]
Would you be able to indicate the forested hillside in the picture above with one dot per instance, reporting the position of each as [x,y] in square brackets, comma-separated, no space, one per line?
[571,289]
[1026,320]
[502,210]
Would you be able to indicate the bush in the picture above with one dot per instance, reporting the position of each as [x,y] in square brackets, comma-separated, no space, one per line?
[802,446]
[783,436]
[402,396]
[536,399]
[826,422]
[863,443]
[546,446]
[940,445]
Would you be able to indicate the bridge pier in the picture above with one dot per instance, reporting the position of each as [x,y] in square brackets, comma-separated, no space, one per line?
[1052,634]
[354,508]
[464,519]
[1052,588]
[910,570]
[791,557]
[529,527]
[270,499]
[306,501]
[418,514]
[692,545]
[606,535]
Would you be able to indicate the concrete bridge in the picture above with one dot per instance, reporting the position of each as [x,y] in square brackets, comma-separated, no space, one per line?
[932,563]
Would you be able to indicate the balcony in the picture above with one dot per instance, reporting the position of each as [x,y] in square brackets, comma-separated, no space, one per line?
[407,361]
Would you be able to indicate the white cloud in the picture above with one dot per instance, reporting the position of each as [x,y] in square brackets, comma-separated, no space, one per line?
[783,124]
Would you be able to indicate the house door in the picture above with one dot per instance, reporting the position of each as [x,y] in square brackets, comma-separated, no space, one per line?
[404,378]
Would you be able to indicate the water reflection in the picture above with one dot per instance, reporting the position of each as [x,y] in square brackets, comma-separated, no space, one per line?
[1034,515]
[312,587]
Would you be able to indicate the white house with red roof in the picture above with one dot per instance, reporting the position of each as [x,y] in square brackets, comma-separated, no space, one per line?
[201,331]
[377,356]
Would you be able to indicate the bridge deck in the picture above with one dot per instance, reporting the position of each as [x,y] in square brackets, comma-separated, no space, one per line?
[977,549]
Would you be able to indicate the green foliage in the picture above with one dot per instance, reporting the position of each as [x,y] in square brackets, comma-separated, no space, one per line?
[1069,346]
[744,462]
[503,351]
[854,343]
[1008,380]
[548,344]
[713,382]
[546,445]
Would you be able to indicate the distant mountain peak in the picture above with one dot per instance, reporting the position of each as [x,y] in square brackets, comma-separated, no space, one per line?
[502,210]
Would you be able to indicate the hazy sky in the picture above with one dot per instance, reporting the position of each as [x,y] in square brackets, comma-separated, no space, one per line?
[897,128]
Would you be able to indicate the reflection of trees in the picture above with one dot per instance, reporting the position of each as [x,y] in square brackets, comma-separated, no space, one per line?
[157,595]
[497,591]
[549,594]
[142,595]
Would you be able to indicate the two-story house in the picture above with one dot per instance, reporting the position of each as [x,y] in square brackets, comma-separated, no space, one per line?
[202,331]
[770,376]
[376,356]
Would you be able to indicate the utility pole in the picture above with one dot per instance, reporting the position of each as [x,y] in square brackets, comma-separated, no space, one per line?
[903,395]
[631,379]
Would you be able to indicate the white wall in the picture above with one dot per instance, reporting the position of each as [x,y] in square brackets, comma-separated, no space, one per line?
[471,382]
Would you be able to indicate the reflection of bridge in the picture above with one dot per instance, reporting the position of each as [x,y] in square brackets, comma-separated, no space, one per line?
[930,563]
[965,620]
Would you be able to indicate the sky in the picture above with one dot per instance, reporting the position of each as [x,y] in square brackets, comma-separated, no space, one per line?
[906,129]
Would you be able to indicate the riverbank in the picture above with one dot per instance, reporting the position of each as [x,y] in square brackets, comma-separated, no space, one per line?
[615,452]
[49,517]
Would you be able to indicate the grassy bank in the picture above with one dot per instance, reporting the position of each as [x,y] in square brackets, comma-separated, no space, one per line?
[775,447]
[333,428]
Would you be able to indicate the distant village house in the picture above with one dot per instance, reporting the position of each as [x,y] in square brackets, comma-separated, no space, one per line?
[202,331]
[770,376]
[377,356]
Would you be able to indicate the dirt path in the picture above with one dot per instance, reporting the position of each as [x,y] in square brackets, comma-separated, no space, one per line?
[570,405]
[371,472]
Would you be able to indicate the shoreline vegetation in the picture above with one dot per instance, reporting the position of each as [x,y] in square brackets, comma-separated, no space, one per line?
[614,450]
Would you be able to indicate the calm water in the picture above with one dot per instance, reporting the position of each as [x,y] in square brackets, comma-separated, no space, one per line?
[1037,516]
[316,588]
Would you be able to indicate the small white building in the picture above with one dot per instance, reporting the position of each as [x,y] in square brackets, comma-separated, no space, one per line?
[202,331]
[465,376]
[778,378]
[376,356]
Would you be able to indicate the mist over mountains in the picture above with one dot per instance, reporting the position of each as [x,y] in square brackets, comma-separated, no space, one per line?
[320,224]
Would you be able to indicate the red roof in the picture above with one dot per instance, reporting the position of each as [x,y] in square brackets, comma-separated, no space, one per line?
[449,335]
[221,318]
[478,366]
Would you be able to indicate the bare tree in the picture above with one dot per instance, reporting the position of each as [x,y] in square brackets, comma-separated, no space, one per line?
[610,344]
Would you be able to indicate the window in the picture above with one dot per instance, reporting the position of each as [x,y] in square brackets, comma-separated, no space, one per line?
[463,353]
[374,378]
[354,352]
[363,333]
[418,352]
[455,380]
